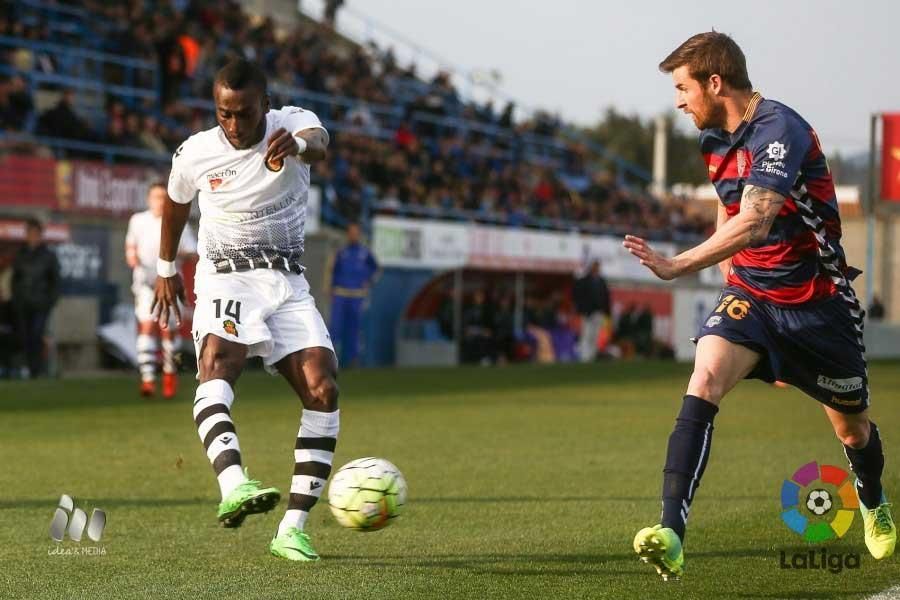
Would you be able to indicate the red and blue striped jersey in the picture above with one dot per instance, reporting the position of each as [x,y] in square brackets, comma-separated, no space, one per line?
[801,260]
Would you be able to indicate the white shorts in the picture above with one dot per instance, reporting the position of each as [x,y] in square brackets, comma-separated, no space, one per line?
[143,300]
[269,311]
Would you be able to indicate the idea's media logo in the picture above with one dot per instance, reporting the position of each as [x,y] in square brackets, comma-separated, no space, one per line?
[74,521]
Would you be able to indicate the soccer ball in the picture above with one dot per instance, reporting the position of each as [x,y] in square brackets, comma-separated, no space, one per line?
[818,502]
[366,494]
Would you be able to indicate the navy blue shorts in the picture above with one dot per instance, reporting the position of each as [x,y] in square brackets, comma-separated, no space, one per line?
[814,347]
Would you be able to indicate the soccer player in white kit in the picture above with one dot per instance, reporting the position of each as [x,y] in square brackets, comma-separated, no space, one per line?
[252,174]
[141,252]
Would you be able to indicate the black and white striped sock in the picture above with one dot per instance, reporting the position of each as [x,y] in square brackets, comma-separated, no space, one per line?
[212,415]
[169,348]
[313,455]
[147,355]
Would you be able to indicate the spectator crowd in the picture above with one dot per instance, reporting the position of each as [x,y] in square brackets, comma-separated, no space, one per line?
[560,320]
[411,145]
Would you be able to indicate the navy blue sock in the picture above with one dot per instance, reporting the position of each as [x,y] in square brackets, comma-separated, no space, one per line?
[686,459]
[868,463]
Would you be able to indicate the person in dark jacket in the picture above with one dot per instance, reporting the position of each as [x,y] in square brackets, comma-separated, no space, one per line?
[63,122]
[590,294]
[35,289]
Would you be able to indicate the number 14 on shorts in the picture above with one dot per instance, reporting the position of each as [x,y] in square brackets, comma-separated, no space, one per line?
[232,309]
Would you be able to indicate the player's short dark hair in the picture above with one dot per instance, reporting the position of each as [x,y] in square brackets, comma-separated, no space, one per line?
[710,53]
[33,223]
[158,184]
[241,74]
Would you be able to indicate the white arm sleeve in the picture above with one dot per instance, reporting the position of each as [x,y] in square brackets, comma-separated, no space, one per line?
[296,120]
[181,187]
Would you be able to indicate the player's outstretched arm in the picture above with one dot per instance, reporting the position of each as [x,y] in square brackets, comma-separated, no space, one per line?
[759,207]
[309,145]
[170,289]
[316,145]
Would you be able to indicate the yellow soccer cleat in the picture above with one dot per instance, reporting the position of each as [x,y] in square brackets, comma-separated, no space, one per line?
[881,533]
[661,547]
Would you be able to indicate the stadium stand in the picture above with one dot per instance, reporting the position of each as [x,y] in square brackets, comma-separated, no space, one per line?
[128,81]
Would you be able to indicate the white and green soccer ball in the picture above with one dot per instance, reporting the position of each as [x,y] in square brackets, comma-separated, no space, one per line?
[367,494]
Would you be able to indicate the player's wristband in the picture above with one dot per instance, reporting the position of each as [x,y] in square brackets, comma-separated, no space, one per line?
[165,268]
[301,144]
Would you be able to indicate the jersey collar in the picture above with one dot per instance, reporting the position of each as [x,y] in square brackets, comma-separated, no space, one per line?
[755,99]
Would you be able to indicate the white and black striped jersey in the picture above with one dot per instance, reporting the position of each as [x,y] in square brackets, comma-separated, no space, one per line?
[250,216]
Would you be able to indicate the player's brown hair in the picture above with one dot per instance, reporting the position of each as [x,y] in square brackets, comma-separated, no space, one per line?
[158,184]
[710,53]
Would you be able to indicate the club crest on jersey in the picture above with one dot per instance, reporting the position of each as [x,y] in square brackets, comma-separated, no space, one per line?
[776,151]
[741,160]
[229,327]
[217,178]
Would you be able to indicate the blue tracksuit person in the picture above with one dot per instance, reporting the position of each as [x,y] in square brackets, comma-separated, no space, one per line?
[354,269]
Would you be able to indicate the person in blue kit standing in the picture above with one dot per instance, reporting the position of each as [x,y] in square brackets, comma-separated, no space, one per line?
[354,270]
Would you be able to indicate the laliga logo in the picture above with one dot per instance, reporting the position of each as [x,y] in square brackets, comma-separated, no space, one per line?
[75,519]
[811,494]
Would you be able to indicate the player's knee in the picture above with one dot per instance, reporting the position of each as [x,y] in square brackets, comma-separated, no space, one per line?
[854,436]
[704,384]
[219,364]
[323,394]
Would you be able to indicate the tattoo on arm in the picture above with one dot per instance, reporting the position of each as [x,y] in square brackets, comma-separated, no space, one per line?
[761,206]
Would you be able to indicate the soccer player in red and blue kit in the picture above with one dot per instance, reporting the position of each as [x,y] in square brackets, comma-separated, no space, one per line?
[787,312]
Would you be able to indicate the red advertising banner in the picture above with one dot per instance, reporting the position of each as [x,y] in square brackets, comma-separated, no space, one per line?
[77,187]
[28,181]
[890,157]
[103,190]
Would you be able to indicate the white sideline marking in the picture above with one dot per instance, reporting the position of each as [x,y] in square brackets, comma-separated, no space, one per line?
[889,594]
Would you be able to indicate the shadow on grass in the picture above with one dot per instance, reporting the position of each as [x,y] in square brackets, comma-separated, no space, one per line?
[13,503]
[808,595]
[503,564]
[362,385]
[551,499]
[562,564]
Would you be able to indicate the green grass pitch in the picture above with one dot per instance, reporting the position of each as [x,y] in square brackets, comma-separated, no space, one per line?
[524,482]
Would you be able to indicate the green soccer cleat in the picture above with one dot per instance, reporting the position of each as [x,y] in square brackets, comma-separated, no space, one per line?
[661,547]
[293,544]
[881,533]
[249,498]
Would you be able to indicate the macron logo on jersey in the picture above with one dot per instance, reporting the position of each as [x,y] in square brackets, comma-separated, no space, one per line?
[217,178]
